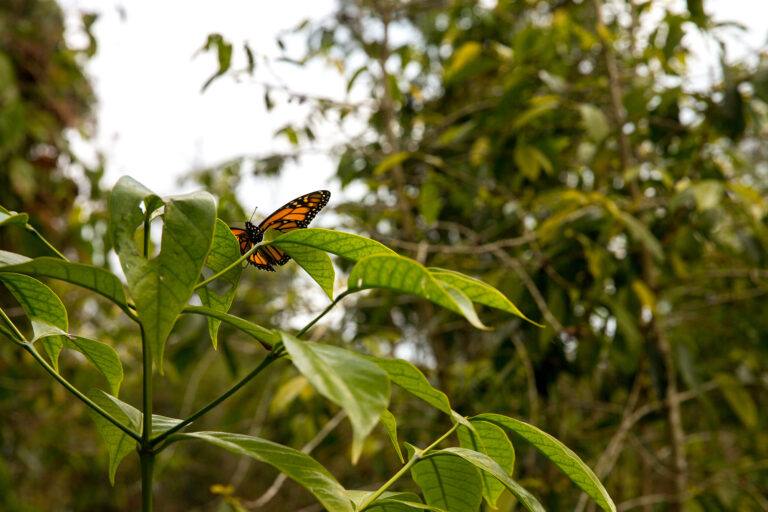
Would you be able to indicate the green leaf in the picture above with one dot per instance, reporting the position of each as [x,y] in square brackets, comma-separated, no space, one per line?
[220,293]
[408,377]
[352,382]
[739,399]
[493,442]
[92,278]
[390,161]
[491,467]
[478,291]
[315,262]
[161,287]
[391,502]
[449,482]
[393,272]
[540,106]
[294,464]
[102,356]
[559,454]
[264,336]
[44,309]
[390,425]
[9,218]
[119,444]
[346,245]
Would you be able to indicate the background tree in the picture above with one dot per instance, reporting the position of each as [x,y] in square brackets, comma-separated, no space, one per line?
[562,152]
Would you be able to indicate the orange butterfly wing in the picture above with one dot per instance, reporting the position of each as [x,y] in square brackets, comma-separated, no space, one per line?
[295,214]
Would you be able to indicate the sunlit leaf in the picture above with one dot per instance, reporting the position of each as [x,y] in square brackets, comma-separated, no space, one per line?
[559,454]
[493,442]
[355,384]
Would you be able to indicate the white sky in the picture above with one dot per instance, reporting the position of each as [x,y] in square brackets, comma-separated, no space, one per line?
[155,124]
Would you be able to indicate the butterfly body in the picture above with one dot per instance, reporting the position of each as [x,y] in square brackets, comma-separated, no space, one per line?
[296,214]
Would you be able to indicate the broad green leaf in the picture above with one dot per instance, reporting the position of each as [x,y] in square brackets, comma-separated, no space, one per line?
[92,278]
[264,336]
[389,422]
[315,262]
[491,467]
[478,291]
[161,287]
[739,399]
[408,377]
[355,384]
[119,444]
[294,464]
[101,355]
[492,441]
[44,309]
[393,272]
[450,483]
[559,454]
[220,293]
[346,245]
[391,161]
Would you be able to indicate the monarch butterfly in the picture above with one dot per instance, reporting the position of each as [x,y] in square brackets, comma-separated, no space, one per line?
[293,215]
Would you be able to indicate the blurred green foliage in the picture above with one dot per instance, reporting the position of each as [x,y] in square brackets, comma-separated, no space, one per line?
[568,154]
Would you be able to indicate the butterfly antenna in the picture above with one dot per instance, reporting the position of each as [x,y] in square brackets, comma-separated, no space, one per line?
[254,213]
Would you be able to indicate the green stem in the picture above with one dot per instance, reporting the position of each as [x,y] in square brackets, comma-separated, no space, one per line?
[147,459]
[271,357]
[413,460]
[146,455]
[325,311]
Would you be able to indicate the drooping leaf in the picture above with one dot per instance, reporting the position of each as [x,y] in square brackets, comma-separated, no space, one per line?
[393,272]
[408,377]
[478,291]
[264,336]
[315,262]
[102,356]
[346,245]
[44,309]
[450,483]
[389,422]
[562,456]
[294,464]
[493,442]
[119,444]
[355,384]
[487,465]
[220,293]
[92,278]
